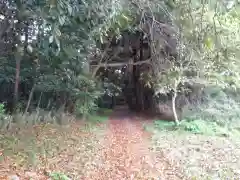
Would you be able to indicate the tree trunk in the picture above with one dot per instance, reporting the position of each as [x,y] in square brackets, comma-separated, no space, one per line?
[174,108]
[17,78]
[174,102]
[29,99]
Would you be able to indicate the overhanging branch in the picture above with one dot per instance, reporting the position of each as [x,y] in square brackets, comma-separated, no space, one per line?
[122,64]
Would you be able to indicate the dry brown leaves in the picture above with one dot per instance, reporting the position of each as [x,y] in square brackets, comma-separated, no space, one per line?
[126,154]
[120,152]
[37,151]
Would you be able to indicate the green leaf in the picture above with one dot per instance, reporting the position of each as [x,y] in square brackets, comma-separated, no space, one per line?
[61,20]
[51,39]
[57,31]
[58,176]
[57,41]
[70,10]
[101,38]
[29,49]
[208,43]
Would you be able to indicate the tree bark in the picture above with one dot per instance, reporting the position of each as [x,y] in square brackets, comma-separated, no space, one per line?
[174,108]
[176,119]
[17,79]
[29,99]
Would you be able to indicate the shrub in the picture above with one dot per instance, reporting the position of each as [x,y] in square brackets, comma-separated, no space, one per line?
[220,107]
[2,109]
[58,176]
[197,126]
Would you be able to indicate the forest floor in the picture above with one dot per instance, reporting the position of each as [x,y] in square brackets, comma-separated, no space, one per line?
[117,149]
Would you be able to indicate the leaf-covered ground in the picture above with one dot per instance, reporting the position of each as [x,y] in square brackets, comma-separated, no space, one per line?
[118,149]
[38,152]
[200,157]
[127,154]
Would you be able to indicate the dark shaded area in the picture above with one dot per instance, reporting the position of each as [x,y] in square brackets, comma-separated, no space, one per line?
[130,50]
[133,47]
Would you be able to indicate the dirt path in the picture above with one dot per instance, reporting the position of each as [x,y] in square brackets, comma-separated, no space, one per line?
[120,151]
[126,154]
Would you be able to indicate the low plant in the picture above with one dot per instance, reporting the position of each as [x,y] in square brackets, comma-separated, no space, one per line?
[2,109]
[37,117]
[58,176]
[84,108]
[220,107]
[193,126]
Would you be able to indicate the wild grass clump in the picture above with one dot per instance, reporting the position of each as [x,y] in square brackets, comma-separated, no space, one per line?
[218,115]
[194,126]
[220,106]
[41,116]
[34,118]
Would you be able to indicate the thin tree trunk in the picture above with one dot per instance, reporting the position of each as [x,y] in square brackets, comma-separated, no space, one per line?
[39,101]
[174,103]
[174,108]
[17,79]
[29,99]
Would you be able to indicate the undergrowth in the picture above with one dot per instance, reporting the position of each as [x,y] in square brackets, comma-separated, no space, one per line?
[58,176]
[40,116]
[196,127]
[219,114]
[38,139]
[101,116]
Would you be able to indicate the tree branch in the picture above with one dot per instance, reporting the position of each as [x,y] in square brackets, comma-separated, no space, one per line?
[123,64]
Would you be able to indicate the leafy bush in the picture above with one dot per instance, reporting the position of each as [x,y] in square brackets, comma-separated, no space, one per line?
[37,117]
[220,107]
[2,109]
[58,176]
[86,93]
[3,117]
[193,126]
[218,114]
[98,118]
[84,108]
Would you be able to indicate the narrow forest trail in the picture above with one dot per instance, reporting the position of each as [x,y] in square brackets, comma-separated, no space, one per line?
[126,154]
[119,151]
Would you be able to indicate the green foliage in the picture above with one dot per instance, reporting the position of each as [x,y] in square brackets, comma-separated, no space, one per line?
[98,118]
[221,107]
[85,107]
[87,97]
[194,126]
[2,109]
[105,111]
[207,49]
[218,114]
[62,36]
[204,127]
[58,176]
[164,125]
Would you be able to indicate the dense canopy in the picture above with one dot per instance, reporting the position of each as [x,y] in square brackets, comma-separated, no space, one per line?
[77,54]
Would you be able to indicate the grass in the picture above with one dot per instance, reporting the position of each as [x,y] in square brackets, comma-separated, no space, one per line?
[196,127]
[58,176]
[98,118]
